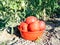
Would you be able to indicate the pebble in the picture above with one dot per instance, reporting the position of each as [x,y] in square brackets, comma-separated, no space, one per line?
[55,41]
[48,27]
[57,28]
[58,34]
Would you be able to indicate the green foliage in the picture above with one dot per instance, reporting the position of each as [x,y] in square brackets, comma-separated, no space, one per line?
[37,7]
[12,12]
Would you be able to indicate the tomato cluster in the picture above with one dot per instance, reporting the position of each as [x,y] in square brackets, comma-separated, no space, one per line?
[32,24]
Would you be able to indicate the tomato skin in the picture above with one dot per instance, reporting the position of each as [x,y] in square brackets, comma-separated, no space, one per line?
[23,27]
[42,25]
[30,19]
[34,26]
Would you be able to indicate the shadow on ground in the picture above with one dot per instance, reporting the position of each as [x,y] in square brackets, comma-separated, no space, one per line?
[16,31]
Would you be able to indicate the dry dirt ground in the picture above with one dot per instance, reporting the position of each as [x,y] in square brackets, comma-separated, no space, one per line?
[50,37]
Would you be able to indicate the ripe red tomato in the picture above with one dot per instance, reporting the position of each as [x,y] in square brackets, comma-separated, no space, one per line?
[34,26]
[30,19]
[42,25]
[23,27]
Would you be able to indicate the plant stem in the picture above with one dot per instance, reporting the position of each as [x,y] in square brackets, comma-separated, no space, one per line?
[44,14]
[12,31]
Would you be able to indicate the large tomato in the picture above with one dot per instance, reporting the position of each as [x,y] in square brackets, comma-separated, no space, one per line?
[34,26]
[42,25]
[23,27]
[30,19]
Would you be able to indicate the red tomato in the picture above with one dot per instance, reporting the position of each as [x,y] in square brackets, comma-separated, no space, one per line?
[30,19]
[23,27]
[42,25]
[34,26]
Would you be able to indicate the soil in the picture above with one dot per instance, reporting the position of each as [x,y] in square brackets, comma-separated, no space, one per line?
[50,37]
